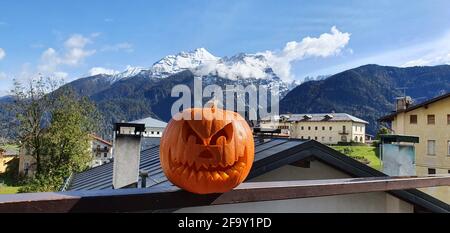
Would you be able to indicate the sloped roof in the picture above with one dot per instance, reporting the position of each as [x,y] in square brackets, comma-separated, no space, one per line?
[8,152]
[320,117]
[150,122]
[95,137]
[101,177]
[270,154]
[391,116]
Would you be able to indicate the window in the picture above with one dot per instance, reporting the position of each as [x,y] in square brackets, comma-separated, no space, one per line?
[331,128]
[361,139]
[309,127]
[331,139]
[343,128]
[303,128]
[323,127]
[413,119]
[448,147]
[309,137]
[303,137]
[106,148]
[431,171]
[448,171]
[317,128]
[105,155]
[159,132]
[323,139]
[448,119]
[430,119]
[431,147]
[153,132]
[315,138]
[356,138]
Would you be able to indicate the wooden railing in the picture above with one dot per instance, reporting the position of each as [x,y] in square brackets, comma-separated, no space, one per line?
[150,199]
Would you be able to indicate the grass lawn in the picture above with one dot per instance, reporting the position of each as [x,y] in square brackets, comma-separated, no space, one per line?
[8,189]
[368,152]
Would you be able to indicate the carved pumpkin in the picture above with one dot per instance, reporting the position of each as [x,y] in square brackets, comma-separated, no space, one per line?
[211,155]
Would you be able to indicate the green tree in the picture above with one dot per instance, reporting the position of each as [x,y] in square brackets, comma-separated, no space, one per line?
[67,146]
[381,131]
[60,141]
[31,107]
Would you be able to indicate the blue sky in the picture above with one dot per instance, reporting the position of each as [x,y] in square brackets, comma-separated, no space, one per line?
[71,37]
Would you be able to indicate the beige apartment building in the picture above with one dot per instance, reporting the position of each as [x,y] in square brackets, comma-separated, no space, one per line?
[430,121]
[326,128]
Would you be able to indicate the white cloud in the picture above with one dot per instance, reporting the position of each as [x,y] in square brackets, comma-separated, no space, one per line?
[3,75]
[431,59]
[435,52]
[100,70]
[255,65]
[73,54]
[124,46]
[2,53]
[326,45]
[77,41]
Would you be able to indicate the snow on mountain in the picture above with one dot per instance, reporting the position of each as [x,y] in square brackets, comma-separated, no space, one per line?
[130,71]
[239,66]
[182,61]
[202,63]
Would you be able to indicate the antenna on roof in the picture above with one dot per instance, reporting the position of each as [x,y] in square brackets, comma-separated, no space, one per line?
[404,90]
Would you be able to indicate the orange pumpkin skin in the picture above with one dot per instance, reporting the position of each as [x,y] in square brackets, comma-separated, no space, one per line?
[211,155]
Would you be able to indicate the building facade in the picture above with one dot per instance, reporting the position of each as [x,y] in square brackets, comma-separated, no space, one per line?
[153,127]
[327,128]
[6,155]
[430,121]
[101,151]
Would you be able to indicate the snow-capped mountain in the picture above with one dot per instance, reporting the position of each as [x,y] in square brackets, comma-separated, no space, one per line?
[202,63]
[130,71]
[237,67]
[173,64]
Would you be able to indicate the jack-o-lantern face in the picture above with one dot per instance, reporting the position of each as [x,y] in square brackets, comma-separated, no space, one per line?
[210,155]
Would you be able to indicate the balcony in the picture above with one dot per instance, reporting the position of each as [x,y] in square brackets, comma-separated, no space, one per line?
[100,150]
[344,132]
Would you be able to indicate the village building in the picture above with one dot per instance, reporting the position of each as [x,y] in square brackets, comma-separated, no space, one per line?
[326,128]
[430,122]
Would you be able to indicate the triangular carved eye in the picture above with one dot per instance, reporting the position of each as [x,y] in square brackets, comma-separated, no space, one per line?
[187,131]
[226,131]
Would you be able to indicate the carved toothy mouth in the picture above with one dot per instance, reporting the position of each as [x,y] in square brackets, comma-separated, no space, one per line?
[205,171]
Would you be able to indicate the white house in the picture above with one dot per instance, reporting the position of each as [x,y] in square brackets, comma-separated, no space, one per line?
[153,127]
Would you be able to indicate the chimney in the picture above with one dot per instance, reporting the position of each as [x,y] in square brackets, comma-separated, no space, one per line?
[402,103]
[126,154]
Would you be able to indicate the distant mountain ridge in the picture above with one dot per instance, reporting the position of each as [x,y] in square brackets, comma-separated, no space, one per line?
[202,63]
[367,92]
[141,92]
